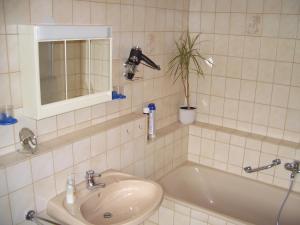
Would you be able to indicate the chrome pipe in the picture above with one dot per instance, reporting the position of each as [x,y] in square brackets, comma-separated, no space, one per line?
[31,216]
[275,162]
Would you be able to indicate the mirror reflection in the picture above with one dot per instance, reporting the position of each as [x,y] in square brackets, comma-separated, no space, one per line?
[73,68]
[77,65]
[52,71]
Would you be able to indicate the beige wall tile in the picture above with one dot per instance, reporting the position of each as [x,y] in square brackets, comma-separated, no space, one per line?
[42,166]
[294,98]
[3,183]
[21,202]
[62,11]
[98,13]
[46,126]
[44,190]
[41,11]
[98,144]
[222,24]
[7,136]
[280,95]
[81,12]
[290,6]
[62,158]
[17,12]
[3,55]
[65,120]
[5,212]
[82,150]
[14,180]
[208,6]
[272,6]
[271,23]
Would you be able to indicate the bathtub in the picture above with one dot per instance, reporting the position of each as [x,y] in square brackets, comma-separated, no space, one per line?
[230,196]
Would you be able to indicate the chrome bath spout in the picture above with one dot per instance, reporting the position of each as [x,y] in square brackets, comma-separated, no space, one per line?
[275,162]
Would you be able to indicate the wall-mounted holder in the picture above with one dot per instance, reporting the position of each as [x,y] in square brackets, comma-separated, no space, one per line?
[28,140]
[6,116]
[117,96]
[118,93]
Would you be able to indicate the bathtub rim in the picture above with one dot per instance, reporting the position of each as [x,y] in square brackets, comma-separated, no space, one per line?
[190,163]
[222,216]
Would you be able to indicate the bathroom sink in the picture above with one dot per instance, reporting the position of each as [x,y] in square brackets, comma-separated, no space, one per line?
[126,200]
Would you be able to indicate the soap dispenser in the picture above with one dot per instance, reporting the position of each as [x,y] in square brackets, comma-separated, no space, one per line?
[70,191]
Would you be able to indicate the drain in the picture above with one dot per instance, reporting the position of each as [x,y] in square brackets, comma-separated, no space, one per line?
[107,215]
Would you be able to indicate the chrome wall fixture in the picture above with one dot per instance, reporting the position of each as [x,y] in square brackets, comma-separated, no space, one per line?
[275,162]
[28,140]
[294,167]
[90,182]
[31,216]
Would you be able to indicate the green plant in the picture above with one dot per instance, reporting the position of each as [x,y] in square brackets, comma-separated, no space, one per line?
[187,59]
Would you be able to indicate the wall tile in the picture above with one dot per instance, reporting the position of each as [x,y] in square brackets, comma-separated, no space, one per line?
[41,11]
[21,202]
[81,150]
[290,6]
[81,12]
[44,190]
[17,12]
[280,95]
[46,126]
[5,212]
[62,158]
[3,55]
[98,13]
[272,6]
[7,136]
[62,11]
[98,144]
[65,120]
[3,183]
[14,180]
[42,166]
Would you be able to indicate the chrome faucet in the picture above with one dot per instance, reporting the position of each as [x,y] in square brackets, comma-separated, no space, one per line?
[294,167]
[275,162]
[90,182]
[28,140]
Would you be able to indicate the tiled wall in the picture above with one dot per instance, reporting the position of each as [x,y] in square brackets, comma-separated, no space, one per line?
[254,85]
[29,182]
[231,150]
[151,24]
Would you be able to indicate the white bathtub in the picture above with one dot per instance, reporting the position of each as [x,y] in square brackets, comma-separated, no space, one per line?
[232,196]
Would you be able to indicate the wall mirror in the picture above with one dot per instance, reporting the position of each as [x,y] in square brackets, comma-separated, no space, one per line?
[64,68]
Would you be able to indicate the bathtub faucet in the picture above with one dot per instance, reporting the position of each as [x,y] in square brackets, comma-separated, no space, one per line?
[249,169]
[294,167]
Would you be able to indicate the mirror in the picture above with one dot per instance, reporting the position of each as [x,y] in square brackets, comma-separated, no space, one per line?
[52,71]
[73,68]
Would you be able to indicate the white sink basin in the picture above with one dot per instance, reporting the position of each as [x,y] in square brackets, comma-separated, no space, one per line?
[126,200]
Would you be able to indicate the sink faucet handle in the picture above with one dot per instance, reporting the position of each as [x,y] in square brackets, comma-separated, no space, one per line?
[91,173]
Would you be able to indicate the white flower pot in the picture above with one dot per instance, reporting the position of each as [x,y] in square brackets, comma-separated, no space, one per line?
[187,116]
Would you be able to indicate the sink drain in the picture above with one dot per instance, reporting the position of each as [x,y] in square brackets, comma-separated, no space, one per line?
[107,215]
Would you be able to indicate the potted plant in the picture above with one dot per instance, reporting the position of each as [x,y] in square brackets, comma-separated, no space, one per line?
[187,59]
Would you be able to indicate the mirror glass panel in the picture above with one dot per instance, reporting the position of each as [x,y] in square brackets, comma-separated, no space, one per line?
[52,71]
[88,65]
[100,65]
[78,69]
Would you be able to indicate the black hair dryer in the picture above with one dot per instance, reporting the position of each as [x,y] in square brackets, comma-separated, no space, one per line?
[136,57]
